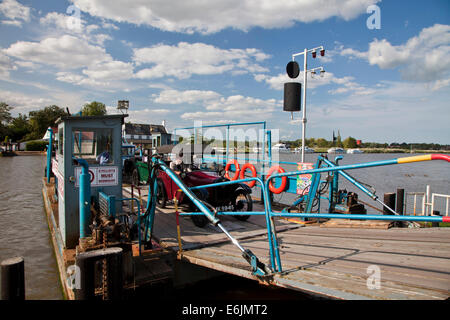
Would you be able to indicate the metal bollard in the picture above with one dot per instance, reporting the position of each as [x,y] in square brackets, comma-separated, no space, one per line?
[85,262]
[13,279]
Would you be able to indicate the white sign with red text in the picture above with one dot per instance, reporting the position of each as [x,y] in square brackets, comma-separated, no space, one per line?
[60,178]
[100,176]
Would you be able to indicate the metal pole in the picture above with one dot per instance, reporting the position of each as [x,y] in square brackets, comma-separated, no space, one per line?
[49,154]
[227,143]
[304,103]
[84,198]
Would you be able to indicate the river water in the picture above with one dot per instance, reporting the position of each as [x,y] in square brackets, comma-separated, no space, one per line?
[24,231]
[413,177]
[23,225]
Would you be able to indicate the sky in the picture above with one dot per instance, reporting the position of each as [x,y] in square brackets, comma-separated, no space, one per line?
[387,63]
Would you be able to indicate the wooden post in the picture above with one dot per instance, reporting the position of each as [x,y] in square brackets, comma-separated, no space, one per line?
[435,224]
[13,279]
[400,201]
[389,200]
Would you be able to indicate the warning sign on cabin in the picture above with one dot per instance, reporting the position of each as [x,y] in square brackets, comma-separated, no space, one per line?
[100,176]
[304,180]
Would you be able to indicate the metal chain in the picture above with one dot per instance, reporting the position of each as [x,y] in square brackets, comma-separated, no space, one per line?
[105,270]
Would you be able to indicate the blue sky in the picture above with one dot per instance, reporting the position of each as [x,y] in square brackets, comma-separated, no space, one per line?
[223,61]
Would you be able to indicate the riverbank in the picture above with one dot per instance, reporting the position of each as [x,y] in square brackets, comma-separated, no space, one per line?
[28,153]
[387,150]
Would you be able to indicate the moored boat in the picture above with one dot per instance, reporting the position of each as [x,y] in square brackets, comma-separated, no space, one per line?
[353,151]
[336,150]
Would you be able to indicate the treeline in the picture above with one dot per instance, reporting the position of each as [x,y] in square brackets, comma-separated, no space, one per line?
[351,142]
[34,125]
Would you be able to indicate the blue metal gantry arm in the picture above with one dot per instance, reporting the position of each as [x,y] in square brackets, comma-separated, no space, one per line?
[258,268]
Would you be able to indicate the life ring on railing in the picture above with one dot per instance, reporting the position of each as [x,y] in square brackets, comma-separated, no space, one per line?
[254,173]
[283,180]
[227,170]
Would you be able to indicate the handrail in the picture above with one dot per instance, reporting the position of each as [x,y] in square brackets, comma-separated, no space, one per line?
[258,267]
[275,260]
[273,245]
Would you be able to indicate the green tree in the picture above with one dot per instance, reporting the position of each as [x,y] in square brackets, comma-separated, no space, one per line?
[322,143]
[350,143]
[94,109]
[339,141]
[40,120]
[19,127]
[5,117]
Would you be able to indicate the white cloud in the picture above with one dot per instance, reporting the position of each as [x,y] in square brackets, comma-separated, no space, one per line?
[188,96]
[394,111]
[108,25]
[71,54]
[5,65]
[110,70]
[63,22]
[14,12]
[186,59]
[66,52]
[214,15]
[210,105]
[425,57]
[143,115]
[23,103]
[234,108]
[75,26]
[346,84]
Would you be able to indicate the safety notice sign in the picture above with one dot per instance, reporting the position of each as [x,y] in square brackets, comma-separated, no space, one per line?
[100,176]
[304,180]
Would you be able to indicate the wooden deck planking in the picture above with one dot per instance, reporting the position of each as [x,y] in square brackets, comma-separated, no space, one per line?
[414,263]
[357,259]
[405,277]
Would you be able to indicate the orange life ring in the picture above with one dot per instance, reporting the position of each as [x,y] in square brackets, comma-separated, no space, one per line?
[283,180]
[227,168]
[254,174]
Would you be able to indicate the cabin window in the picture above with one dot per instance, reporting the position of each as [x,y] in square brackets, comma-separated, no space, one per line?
[93,145]
[61,141]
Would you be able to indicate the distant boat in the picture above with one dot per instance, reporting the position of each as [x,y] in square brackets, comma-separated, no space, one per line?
[281,148]
[353,151]
[220,150]
[336,150]
[307,150]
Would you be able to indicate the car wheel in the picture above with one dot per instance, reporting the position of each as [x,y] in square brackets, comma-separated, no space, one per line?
[198,220]
[161,197]
[243,202]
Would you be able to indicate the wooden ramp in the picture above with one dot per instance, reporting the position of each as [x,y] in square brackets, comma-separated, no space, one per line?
[332,262]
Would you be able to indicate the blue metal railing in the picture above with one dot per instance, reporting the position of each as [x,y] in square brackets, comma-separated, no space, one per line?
[269,214]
